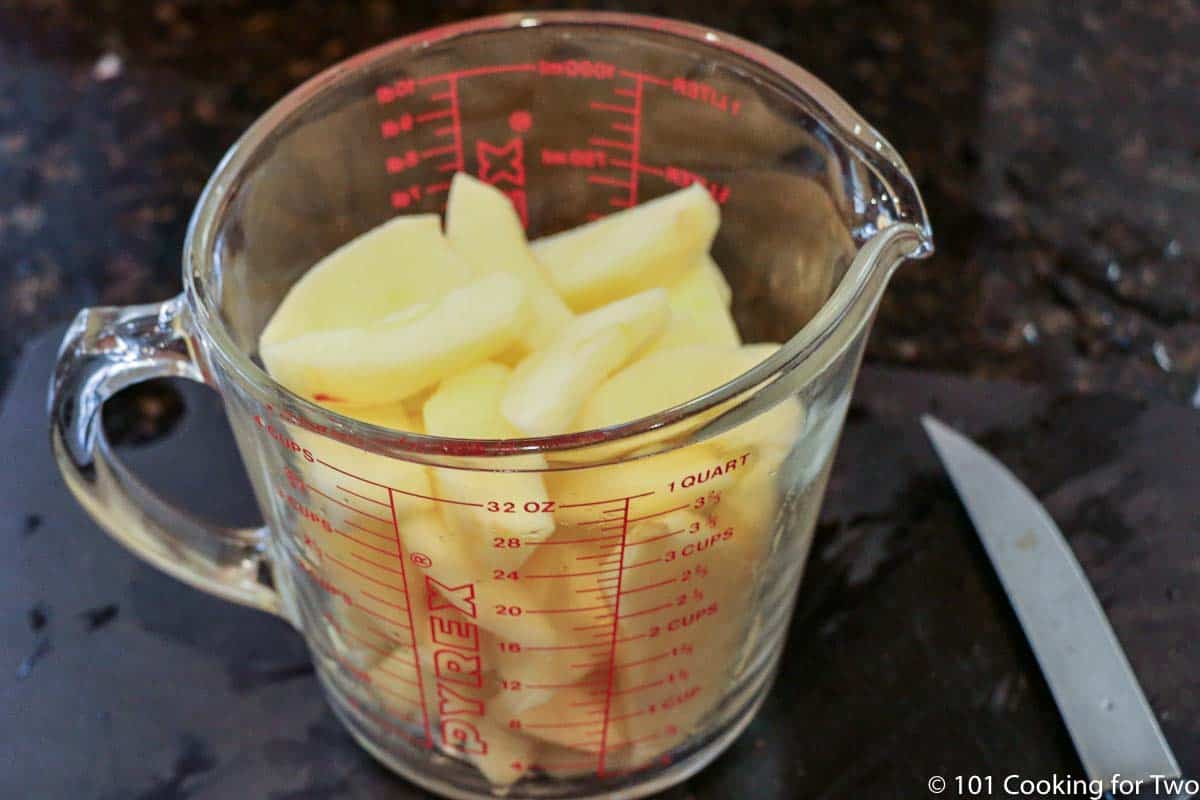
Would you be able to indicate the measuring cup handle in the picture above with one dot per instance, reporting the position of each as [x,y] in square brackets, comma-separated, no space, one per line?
[105,350]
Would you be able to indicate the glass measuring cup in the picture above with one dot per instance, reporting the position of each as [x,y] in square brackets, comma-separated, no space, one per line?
[595,614]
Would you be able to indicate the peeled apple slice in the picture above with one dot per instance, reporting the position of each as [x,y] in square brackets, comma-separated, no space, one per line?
[403,262]
[548,388]
[483,227]
[506,504]
[699,310]
[409,477]
[392,359]
[647,246]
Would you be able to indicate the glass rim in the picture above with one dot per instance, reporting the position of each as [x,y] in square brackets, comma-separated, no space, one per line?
[803,345]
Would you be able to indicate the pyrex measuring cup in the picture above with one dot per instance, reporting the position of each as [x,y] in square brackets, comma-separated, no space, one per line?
[585,615]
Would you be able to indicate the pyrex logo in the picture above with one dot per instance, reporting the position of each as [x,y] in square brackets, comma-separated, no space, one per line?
[457,665]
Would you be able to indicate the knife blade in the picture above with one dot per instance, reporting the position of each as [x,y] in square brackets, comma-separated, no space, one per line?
[1111,724]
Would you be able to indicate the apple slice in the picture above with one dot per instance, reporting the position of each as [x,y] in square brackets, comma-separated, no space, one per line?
[378,472]
[699,310]
[549,387]
[403,262]
[650,245]
[394,358]
[483,227]
[486,505]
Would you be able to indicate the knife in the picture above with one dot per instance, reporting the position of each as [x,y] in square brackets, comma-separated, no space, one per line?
[1098,696]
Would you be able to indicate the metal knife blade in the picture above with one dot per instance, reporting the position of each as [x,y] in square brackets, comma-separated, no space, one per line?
[1098,696]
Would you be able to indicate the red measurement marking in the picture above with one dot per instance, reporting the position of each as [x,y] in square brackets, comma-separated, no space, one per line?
[429,116]
[584,724]
[613,107]
[562,610]
[589,558]
[603,503]
[560,685]
[643,563]
[398,695]
[377,565]
[520,121]
[594,589]
[646,611]
[594,627]
[634,638]
[396,606]
[571,574]
[657,171]
[642,687]
[449,166]
[363,496]
[408,613]
[437,188]
[573,541]
[437,499]
[658,538]
[587,522]
[629,716]
[362,574]
[397,677]
[589,665]
[345,505]
[652,659]
[566,646]
[498,69]
[607,181]
[367,530]
[383,617]
[637,141]
[667,582]
[350,474]
[612,647]
[361,543]
[618,202]
[600,141]
[365,643]
[642,76]
[622,127]
[438,151]
[661,513]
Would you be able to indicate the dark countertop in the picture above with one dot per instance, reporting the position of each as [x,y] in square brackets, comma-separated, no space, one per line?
[1058,148]
[904,660]
[1057,145]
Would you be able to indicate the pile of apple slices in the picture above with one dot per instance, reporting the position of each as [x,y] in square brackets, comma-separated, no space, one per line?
[476,333]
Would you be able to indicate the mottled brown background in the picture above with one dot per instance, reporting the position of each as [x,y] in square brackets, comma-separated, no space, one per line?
[1057,144]
[1058,148]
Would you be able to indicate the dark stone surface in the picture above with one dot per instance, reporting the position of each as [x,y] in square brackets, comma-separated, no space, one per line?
[1057,145]
[904,660]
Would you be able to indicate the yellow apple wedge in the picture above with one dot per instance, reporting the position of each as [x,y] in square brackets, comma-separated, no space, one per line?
[392,359]
[403,262]
[699,310]
[368,474]
[650,245]
[487,505]
[548,387]
[484,229]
